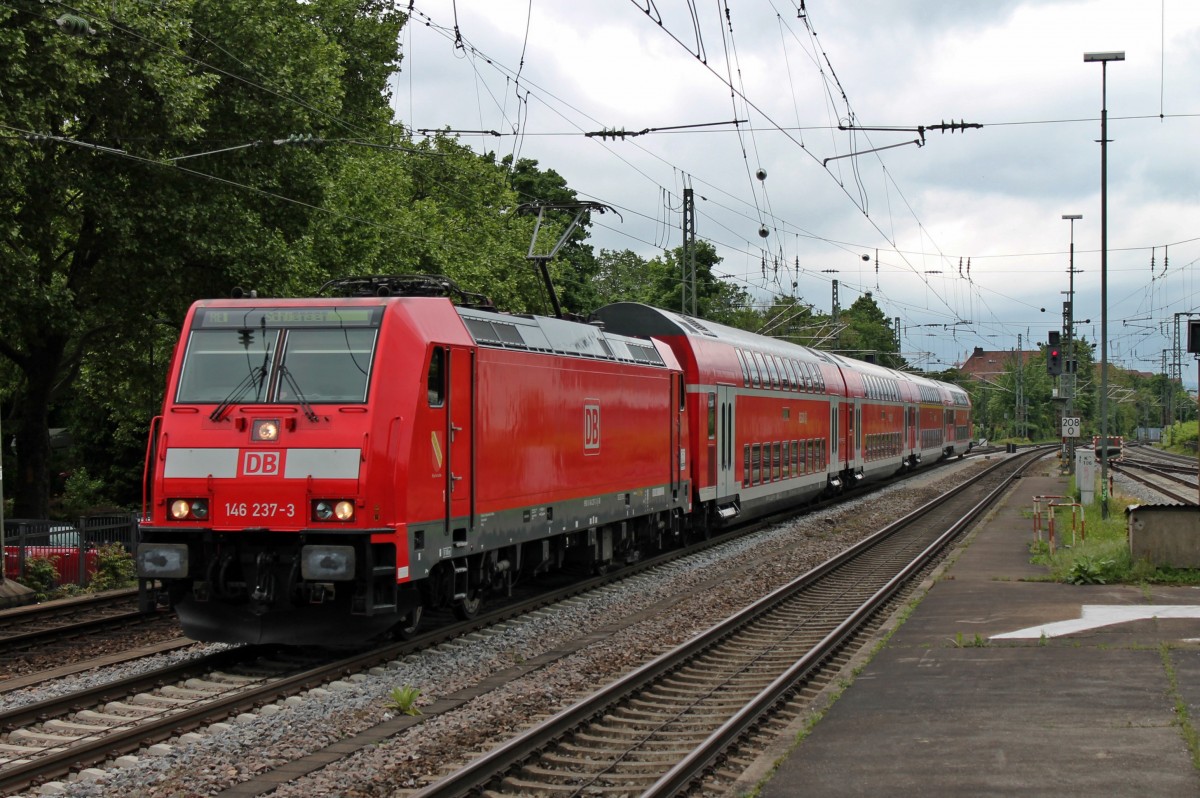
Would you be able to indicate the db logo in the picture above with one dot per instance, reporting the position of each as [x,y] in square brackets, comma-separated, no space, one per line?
[263,464]
[591,428]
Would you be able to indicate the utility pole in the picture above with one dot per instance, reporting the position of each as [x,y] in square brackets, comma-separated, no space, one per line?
[1176,375]
[1069,314]
[896,338]
[1193,348]
[1020,409]
[1103,59]
[689,252]
[1167,416]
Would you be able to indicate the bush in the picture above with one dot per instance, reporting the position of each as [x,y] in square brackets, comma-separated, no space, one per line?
[41,576]
[1090,571]
[114,568]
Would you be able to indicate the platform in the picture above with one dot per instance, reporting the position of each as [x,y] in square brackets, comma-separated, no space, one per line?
[1077,699]
[14,594]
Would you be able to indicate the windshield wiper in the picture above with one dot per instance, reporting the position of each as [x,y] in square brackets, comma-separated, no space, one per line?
[309,413]
[253,379]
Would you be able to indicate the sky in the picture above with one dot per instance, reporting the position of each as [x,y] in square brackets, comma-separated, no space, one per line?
[964,235]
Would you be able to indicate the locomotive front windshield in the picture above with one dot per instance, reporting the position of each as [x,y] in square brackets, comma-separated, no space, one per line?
[284,356]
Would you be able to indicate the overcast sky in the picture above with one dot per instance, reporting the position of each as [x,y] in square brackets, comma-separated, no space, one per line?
[965,239]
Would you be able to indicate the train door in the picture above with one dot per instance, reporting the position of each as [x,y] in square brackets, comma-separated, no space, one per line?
[676,450]
[835,435]
[460,417]
[726,482]
[858,433]
[847,435]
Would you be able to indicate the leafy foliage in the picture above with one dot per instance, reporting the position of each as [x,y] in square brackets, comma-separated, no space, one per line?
[404,700]
[191,147]
[81,493]
[1089,571]
[41,576]
[115,568]
[143,174]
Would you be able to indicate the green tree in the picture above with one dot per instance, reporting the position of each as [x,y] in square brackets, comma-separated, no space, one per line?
[620,277]
[868,334]
[104,235]
[716,299]
[994,399]
[438,209]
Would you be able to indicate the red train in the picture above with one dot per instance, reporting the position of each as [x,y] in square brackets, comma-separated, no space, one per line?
[325,469]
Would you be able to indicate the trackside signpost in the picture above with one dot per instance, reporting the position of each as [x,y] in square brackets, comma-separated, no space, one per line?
[1085,475]
[1070,427]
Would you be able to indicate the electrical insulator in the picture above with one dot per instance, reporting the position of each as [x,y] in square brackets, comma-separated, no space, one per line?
[74,25]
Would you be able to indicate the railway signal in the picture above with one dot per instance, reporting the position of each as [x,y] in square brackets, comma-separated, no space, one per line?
[1054,362]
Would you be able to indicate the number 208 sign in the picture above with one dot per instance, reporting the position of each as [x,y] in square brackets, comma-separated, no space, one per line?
[591,428]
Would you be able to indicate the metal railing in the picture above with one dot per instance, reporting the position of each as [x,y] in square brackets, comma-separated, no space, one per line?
[73,548]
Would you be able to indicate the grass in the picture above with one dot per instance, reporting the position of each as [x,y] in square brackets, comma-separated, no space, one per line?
[1103,558]
[960,641]
[1183,720]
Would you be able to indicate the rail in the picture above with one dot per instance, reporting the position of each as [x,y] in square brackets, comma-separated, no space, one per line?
[490,769]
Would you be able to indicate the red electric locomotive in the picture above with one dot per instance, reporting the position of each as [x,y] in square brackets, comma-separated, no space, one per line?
[323,469]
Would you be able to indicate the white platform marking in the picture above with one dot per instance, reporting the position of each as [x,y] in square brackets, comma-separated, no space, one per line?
[1094,616]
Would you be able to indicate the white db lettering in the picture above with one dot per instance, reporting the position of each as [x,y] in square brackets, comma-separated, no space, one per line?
[262,463]
[591,427]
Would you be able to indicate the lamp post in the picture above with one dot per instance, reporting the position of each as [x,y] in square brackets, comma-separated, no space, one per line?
[1072,218]
[1104,58]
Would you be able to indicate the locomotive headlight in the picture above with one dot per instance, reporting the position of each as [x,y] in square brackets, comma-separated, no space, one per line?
[265,429]
[189,509]
[333,510]
[327,563]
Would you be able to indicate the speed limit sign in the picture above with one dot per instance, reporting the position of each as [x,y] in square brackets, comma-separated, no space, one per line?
[1070,427]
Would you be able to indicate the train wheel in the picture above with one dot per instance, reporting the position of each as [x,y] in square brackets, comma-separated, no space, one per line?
[467,608]
[407,628]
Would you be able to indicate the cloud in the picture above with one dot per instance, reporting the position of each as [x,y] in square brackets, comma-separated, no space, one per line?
[995,195]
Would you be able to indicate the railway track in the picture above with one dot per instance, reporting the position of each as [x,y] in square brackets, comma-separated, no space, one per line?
[34,622]
[47,740]
[1163,479]
[41,641]
[51,738]
[662,728]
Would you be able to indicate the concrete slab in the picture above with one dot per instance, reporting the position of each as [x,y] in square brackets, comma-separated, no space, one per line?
[14,594]
[944,709]
[969,722]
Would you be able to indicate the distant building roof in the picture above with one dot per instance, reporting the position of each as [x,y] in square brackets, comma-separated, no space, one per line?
[986,364]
